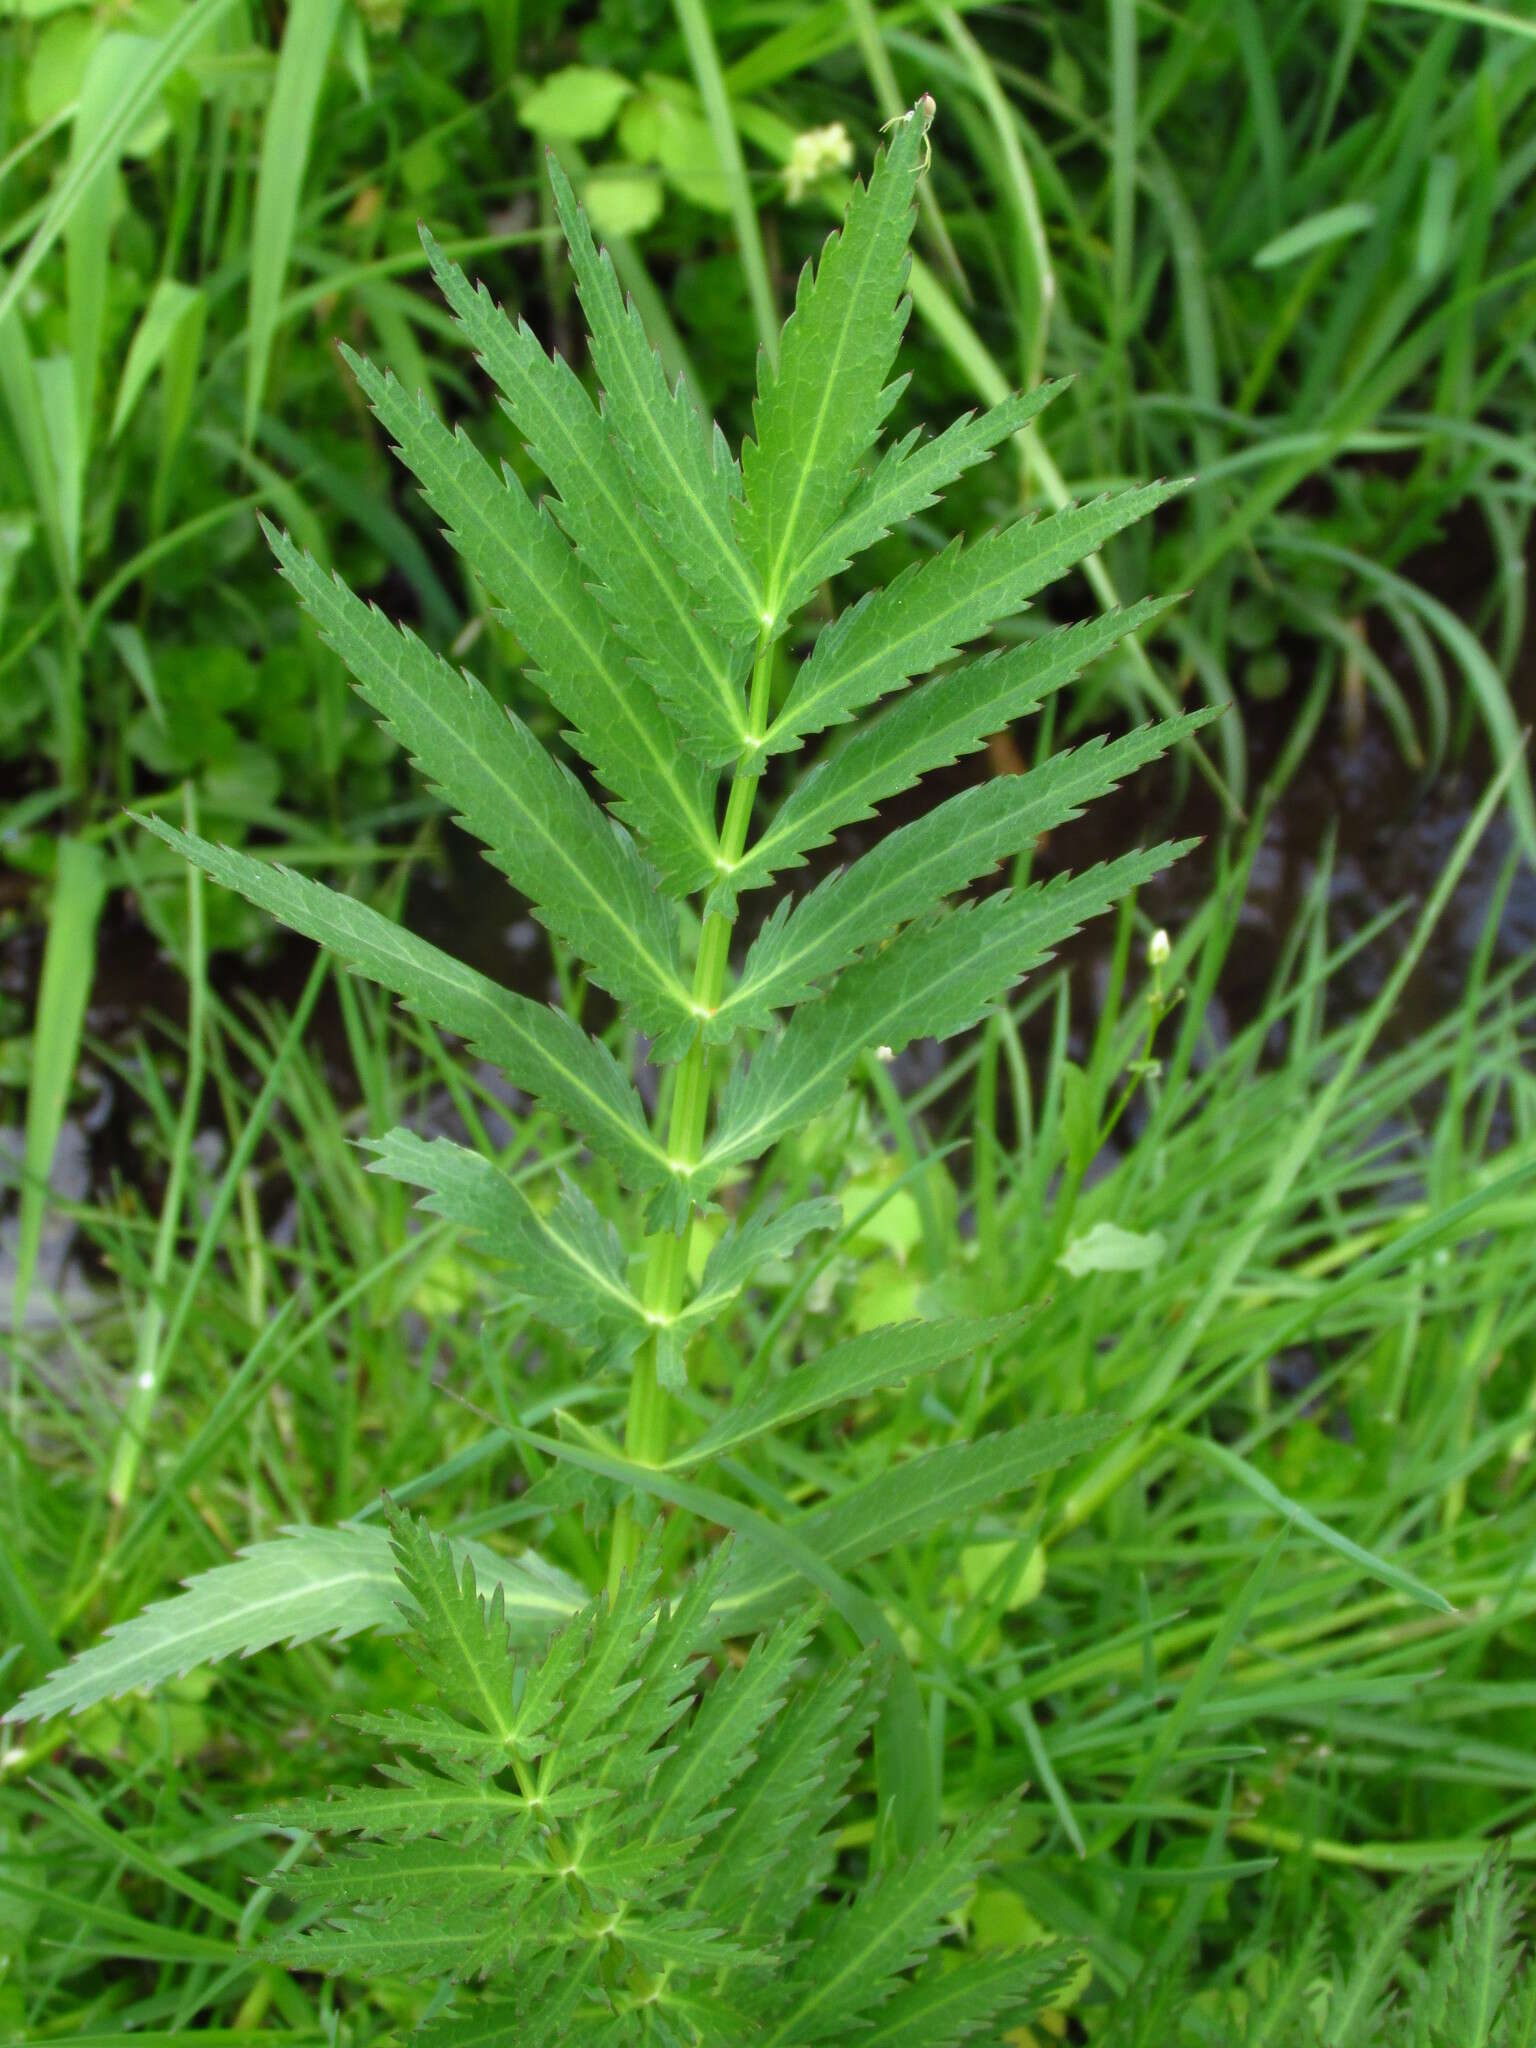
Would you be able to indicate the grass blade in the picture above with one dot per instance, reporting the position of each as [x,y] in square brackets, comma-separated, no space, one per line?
[69,959]
[1282,1177]
[1302,1518]
[117,68]
[285,145]
[75,186]
[693,20]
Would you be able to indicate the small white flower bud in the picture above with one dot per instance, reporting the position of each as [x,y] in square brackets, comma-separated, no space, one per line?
[1158,948]
[812,155]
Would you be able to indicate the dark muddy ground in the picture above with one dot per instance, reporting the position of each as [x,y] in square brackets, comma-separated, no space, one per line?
[1388,828]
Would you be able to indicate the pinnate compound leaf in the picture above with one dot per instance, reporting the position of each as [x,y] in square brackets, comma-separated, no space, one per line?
[934,608]
[528,567]
[819,410]
[942,977]
[944,2005]
[908,479]
[932,980]
[440,1877]
[692,1798]
[634,1826]
[542,2018]
[539,1049]
[853,1965]
[930,727]
[565,1261]
[399,1944]
[797,1779]
[722,1736]
[698,675]
[887,1357]
[683,471]
[670,1673]
[594,1671]
[462,1643]
[913,868]
[1359,2003]
[1471,1986]
[412,1804]
[537,824]
[306,1584]
[744,1249]
[1275,2021]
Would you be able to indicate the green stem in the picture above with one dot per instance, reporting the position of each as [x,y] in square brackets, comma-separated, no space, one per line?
[151,1354]
[666,1272]
[693,18]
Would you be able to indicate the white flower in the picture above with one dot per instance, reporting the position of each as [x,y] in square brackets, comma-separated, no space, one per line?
[1158,948]
[812,155]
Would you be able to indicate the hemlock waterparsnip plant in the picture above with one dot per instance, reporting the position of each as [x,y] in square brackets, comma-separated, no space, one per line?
[627,1855]
[656,591]
[583,1802]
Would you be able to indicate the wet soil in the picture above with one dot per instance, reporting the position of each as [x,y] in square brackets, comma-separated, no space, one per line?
[1385,829]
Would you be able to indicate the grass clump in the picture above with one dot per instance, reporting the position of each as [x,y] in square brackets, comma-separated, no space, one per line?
[1109,1660]
[1145,1397]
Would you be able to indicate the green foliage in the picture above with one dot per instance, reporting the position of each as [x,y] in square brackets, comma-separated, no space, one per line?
[1368,1989]
[640,649]
[689,666]
[685,476]
[627,1840]
[1285,248]
[306,1371]
[536,1047]
[1471,1999]
[305,1584]
[924,730]
[208,197]
[566,1260]
[821,408]
[537,823]
[932,609]
[607,1912]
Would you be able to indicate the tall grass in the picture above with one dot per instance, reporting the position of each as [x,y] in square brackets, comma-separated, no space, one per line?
[1290,252]
[1217,1636]
[1290,247]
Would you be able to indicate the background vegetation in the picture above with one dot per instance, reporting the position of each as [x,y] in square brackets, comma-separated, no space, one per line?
[1290,248]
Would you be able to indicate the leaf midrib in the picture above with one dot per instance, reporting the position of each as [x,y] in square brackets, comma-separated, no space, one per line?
[823,411]
[662,979]
[454,495]
[794,716]
[627,512]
